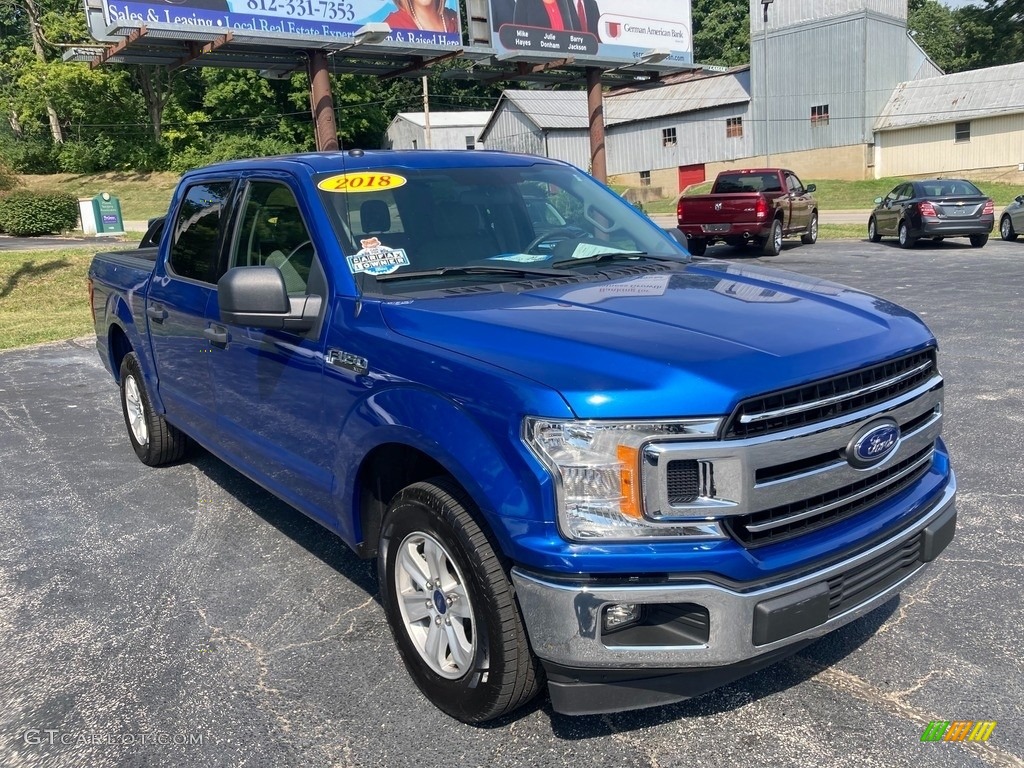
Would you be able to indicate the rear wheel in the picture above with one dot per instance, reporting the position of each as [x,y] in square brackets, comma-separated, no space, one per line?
[451,607]
[154,440]
[1006,230]
[811,236]
[906,241]
[873,235]
[977,241]
[696,245]
[773,243]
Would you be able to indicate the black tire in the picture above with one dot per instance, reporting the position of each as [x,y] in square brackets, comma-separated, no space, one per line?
[500,672]
[154,440]
[978,241]
[903,233]
[938,239]
[697,246]
[873,235]
[811,236]
[773,243]
[1006,230]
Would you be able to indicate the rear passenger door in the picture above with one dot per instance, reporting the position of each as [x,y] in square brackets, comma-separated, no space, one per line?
[181,290]
[269,384]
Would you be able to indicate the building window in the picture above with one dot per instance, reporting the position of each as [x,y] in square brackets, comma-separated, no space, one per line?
[962,132]
[819,114]
[733,127]
[414,144]
[645,178]
[668,137]
[471,142]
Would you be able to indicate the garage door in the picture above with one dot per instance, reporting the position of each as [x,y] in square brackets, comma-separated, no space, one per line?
[690,174]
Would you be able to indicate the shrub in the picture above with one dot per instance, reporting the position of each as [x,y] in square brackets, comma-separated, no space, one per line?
[7,178]
[27,214]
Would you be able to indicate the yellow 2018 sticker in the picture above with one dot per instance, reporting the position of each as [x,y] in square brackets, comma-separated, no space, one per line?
[362,181]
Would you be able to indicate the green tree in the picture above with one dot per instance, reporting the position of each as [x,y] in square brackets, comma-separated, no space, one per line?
[721,32]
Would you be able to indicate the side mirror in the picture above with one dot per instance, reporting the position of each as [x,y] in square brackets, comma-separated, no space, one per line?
[878,201]
[258,298]
[1020,199]
[676,234]
[811,188]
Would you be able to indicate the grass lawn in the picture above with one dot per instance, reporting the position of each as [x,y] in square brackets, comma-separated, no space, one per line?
[142,195]
[842,232]
[44,296]
[835,195]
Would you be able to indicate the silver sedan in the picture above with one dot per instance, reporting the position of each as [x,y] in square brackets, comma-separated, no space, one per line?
[1011,223]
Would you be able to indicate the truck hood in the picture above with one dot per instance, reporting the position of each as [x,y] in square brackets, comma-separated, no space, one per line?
[683,342]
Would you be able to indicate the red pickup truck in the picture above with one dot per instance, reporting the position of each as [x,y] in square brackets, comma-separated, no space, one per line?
[757,206]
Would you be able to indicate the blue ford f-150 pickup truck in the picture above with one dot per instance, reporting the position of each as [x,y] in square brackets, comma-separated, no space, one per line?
[578,455]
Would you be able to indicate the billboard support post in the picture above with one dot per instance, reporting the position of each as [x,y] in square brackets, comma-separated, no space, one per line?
[322,101]
[595,113]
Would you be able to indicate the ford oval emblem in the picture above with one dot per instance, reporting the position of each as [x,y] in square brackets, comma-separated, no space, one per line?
[873,443]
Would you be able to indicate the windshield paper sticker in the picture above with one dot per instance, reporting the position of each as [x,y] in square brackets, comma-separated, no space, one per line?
[586,250]
[363,181]
[521,258]
[377,259]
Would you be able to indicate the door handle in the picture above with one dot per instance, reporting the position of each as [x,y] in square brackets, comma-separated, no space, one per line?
[156,313]
[217,334]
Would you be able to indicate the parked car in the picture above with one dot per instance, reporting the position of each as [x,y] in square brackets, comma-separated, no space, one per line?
[935,208]
[1012,222]
[578,455]
[758,206]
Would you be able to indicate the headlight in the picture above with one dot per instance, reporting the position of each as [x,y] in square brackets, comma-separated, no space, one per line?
[596,469]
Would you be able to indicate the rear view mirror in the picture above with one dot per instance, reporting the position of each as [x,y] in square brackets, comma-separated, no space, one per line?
[258,298]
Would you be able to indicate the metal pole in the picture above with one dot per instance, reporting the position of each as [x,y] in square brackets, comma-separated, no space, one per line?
[595,110]
[322,103]
[426,114]
[764,96]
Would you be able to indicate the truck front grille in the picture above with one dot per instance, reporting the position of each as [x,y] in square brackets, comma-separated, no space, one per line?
[788,520]
[830,398]
[860,584]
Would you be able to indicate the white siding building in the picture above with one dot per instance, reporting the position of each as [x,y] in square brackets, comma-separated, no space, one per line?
[448,130]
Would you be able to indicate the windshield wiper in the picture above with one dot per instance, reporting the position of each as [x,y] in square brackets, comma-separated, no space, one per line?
[601,258]
[470,270]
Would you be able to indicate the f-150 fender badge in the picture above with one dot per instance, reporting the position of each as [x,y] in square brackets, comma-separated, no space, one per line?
[346,360]
[873,443]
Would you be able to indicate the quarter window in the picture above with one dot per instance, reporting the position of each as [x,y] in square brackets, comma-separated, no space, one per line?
[668,137]
[195,243]
[962,132]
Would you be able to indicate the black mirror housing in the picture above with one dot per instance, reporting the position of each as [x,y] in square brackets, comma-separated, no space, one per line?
[811,188]
[258,298]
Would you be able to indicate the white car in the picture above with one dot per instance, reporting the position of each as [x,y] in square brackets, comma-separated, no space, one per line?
[1011,223]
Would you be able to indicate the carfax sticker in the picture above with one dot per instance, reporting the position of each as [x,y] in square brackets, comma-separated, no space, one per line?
[362,181]
[376,258]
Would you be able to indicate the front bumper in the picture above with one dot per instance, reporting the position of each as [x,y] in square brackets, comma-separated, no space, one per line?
[594,671]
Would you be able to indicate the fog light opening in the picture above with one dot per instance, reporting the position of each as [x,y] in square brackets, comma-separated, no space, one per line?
[620,615]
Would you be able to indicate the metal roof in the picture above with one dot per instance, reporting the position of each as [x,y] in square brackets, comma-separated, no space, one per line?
[952,98]
[446,119]
[567,110]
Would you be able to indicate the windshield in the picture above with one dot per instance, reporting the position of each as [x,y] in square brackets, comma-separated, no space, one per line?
[400,226]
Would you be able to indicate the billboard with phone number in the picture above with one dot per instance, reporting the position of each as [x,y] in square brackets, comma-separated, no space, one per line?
[614,30]
[413,22]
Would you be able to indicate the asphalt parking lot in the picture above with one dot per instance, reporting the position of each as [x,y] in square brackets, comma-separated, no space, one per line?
[184,617]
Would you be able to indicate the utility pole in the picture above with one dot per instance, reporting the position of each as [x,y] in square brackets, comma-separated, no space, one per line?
[322,102]
[426,115]
[595,113]
[764,80]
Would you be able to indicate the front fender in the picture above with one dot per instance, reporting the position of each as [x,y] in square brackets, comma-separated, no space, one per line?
[513,493]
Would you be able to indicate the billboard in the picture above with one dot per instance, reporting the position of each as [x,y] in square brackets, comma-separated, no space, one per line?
[611,30]
[413,22]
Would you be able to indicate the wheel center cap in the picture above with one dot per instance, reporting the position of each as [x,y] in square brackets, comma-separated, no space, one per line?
[439,602]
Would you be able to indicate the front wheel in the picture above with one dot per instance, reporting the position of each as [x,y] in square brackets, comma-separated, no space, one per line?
[451,607]
[811,236]
[873,235]
[773,243]
[154,440]
[1006,230]
[977,241]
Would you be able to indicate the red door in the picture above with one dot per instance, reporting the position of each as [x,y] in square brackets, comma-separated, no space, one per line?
[690,174]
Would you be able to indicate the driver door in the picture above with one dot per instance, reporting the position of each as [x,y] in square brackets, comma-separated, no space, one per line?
[268,383]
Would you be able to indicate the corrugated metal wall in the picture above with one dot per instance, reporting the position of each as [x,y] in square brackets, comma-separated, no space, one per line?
[700,138]
[570,146]
[512,131]
[401,135]
[930,149]
[851,64]
[788,12]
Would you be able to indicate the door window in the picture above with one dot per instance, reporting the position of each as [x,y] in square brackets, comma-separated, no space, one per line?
[195,243]
[273,234]
[794,184]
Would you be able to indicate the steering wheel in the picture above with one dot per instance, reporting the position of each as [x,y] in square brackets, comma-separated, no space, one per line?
[555,236]
[295,250]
